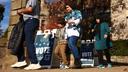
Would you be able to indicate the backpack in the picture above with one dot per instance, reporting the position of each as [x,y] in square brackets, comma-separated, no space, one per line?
[16,36]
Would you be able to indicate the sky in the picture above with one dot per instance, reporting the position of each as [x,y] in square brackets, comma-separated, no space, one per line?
[5,22]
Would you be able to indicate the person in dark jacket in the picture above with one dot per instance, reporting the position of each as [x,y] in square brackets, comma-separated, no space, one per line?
[101,32]
[31,21]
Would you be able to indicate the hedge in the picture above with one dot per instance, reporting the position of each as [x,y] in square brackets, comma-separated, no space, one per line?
[120,48]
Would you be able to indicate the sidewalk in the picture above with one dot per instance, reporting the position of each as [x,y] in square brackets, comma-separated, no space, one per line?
[113,69]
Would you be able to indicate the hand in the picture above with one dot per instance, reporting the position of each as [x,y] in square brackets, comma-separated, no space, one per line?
[105,36]
[71,23]
[59,26]
[46,35]
[92,30]
[70,20]
[20,11]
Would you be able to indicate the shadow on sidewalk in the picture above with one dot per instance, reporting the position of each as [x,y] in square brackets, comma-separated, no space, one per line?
[119,64]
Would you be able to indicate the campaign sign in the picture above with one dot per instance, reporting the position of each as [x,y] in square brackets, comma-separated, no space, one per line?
[43,49]
[87,53]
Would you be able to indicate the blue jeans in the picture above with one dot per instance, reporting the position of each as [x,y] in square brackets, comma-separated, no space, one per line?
[30,28]
[72,44]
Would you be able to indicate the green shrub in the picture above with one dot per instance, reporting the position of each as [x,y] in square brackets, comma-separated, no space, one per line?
[120,48]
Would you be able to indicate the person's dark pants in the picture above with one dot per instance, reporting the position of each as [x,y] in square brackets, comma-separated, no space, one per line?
[107,55]
[72,44]
[30,28]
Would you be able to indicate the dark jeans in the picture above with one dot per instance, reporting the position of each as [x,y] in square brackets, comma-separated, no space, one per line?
[107,55]
[30,28]
[72,44]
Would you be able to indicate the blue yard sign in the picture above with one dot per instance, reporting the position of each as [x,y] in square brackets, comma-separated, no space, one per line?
[87,58]
[43,49]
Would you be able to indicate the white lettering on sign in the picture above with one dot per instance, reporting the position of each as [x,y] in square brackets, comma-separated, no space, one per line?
[41,50]
[86,54]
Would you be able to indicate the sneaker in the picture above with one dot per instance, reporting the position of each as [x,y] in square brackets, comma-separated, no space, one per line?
[77,63]
[101,66]
[32,67]
[109,66]
[63,66]
[19,64]
[66,67]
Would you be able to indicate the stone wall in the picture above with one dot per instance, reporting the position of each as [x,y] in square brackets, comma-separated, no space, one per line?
[119,19]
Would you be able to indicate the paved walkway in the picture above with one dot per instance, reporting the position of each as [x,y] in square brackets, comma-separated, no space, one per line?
[120,68]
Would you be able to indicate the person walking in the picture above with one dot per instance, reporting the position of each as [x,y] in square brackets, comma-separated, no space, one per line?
[31,22]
